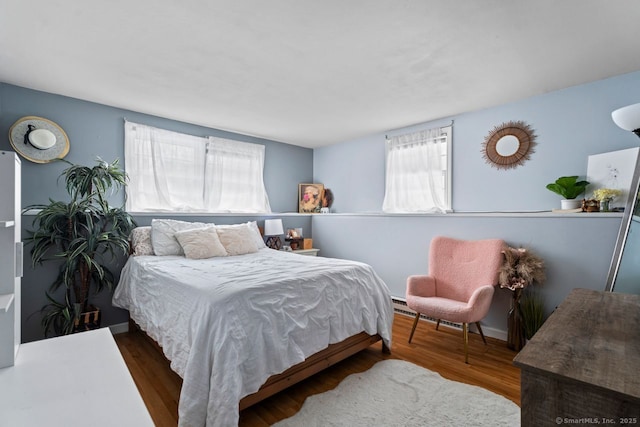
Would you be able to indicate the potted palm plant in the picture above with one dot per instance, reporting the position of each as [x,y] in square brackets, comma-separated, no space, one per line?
[568,187]
[83,235]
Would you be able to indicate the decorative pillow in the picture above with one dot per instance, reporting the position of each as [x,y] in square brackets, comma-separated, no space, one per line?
[200,243]
[163,240]
[238,240]
[258,237]
[255,231]
[140,239]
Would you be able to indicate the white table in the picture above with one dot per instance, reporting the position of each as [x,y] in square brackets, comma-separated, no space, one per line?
[309,252]
[78,379]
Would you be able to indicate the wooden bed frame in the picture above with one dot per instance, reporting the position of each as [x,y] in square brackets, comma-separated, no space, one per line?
[312,365]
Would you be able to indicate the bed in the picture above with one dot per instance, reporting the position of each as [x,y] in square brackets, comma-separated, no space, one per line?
[238,328]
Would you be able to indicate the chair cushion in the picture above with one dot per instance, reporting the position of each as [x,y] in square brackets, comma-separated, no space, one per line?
[440,308]
[452,310]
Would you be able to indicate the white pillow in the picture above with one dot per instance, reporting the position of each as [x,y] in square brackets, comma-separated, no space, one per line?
[163,240]
[140,239]
[258,237]
[253,226]
[238,240]
[200,243]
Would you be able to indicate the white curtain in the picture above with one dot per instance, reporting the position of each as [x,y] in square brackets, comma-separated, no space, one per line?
[174,172]
[416,172]
[165,169]
[234,177]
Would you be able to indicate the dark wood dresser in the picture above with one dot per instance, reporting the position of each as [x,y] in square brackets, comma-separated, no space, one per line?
[583,365]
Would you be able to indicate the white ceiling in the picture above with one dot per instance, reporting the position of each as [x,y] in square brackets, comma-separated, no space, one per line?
[313,73]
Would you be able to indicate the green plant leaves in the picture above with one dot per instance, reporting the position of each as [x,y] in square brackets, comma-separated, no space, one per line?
[532,311]
[83,235]
[568,186]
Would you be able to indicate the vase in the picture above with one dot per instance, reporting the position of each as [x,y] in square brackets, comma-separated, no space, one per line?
[604,205]
[515,328]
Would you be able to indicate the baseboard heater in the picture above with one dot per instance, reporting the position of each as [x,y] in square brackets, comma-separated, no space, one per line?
[400,307]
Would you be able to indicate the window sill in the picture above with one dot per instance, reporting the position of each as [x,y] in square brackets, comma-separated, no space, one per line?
[212,214]
[532,214]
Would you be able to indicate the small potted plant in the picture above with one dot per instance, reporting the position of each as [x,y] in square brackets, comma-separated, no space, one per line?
[605,196]
[568,187]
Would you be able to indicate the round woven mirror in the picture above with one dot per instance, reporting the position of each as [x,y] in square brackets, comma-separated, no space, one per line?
[509,145]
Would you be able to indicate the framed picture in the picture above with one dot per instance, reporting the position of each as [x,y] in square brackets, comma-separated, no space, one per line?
[294,233]
[612,170]
[310,198]
[294,237]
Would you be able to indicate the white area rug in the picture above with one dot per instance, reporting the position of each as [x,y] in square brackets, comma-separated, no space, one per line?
[399,393]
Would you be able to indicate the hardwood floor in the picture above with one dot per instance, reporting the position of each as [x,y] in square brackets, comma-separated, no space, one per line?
[441,351]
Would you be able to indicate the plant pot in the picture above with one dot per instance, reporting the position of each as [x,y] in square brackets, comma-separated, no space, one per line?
[570,204]
[88,320]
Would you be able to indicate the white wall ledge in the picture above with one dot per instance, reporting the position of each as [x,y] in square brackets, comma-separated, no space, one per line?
[230,214]
[33,212]
[533,214]
[457,214]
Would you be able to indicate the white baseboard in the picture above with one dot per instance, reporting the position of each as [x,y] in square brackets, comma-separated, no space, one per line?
[119,328]
[400,307]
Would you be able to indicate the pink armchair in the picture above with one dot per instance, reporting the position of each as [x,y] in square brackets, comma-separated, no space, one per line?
[460,284]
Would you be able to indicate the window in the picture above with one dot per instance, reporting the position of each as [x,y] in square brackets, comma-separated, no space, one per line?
[233,177]
[418,172]
[173,172]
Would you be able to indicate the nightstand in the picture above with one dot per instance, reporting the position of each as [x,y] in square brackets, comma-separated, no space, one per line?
[308,252]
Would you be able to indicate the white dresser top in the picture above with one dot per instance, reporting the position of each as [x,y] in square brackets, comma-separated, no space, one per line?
[78,379]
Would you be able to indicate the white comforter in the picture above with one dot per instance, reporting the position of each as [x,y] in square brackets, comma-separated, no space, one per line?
[229,323]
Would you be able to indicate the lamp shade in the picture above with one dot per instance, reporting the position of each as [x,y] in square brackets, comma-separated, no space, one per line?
[628,118]
[273,227]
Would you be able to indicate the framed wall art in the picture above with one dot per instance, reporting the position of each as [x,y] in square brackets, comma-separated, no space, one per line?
[613,170]
[310,198]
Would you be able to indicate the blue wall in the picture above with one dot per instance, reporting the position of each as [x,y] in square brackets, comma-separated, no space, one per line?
[570,125]
[98,130]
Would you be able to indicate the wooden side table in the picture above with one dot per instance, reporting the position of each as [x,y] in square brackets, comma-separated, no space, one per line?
[582,366]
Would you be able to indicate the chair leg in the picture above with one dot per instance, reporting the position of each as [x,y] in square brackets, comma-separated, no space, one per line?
[481,334]
[465,334]
[437,324]
[413,329]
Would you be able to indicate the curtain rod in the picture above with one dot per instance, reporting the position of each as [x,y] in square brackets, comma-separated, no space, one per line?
[439,127]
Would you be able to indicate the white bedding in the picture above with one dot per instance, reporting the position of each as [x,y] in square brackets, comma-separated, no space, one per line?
[229,323]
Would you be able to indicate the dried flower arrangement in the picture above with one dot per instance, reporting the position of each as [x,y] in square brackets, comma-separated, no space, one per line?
[520,269]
